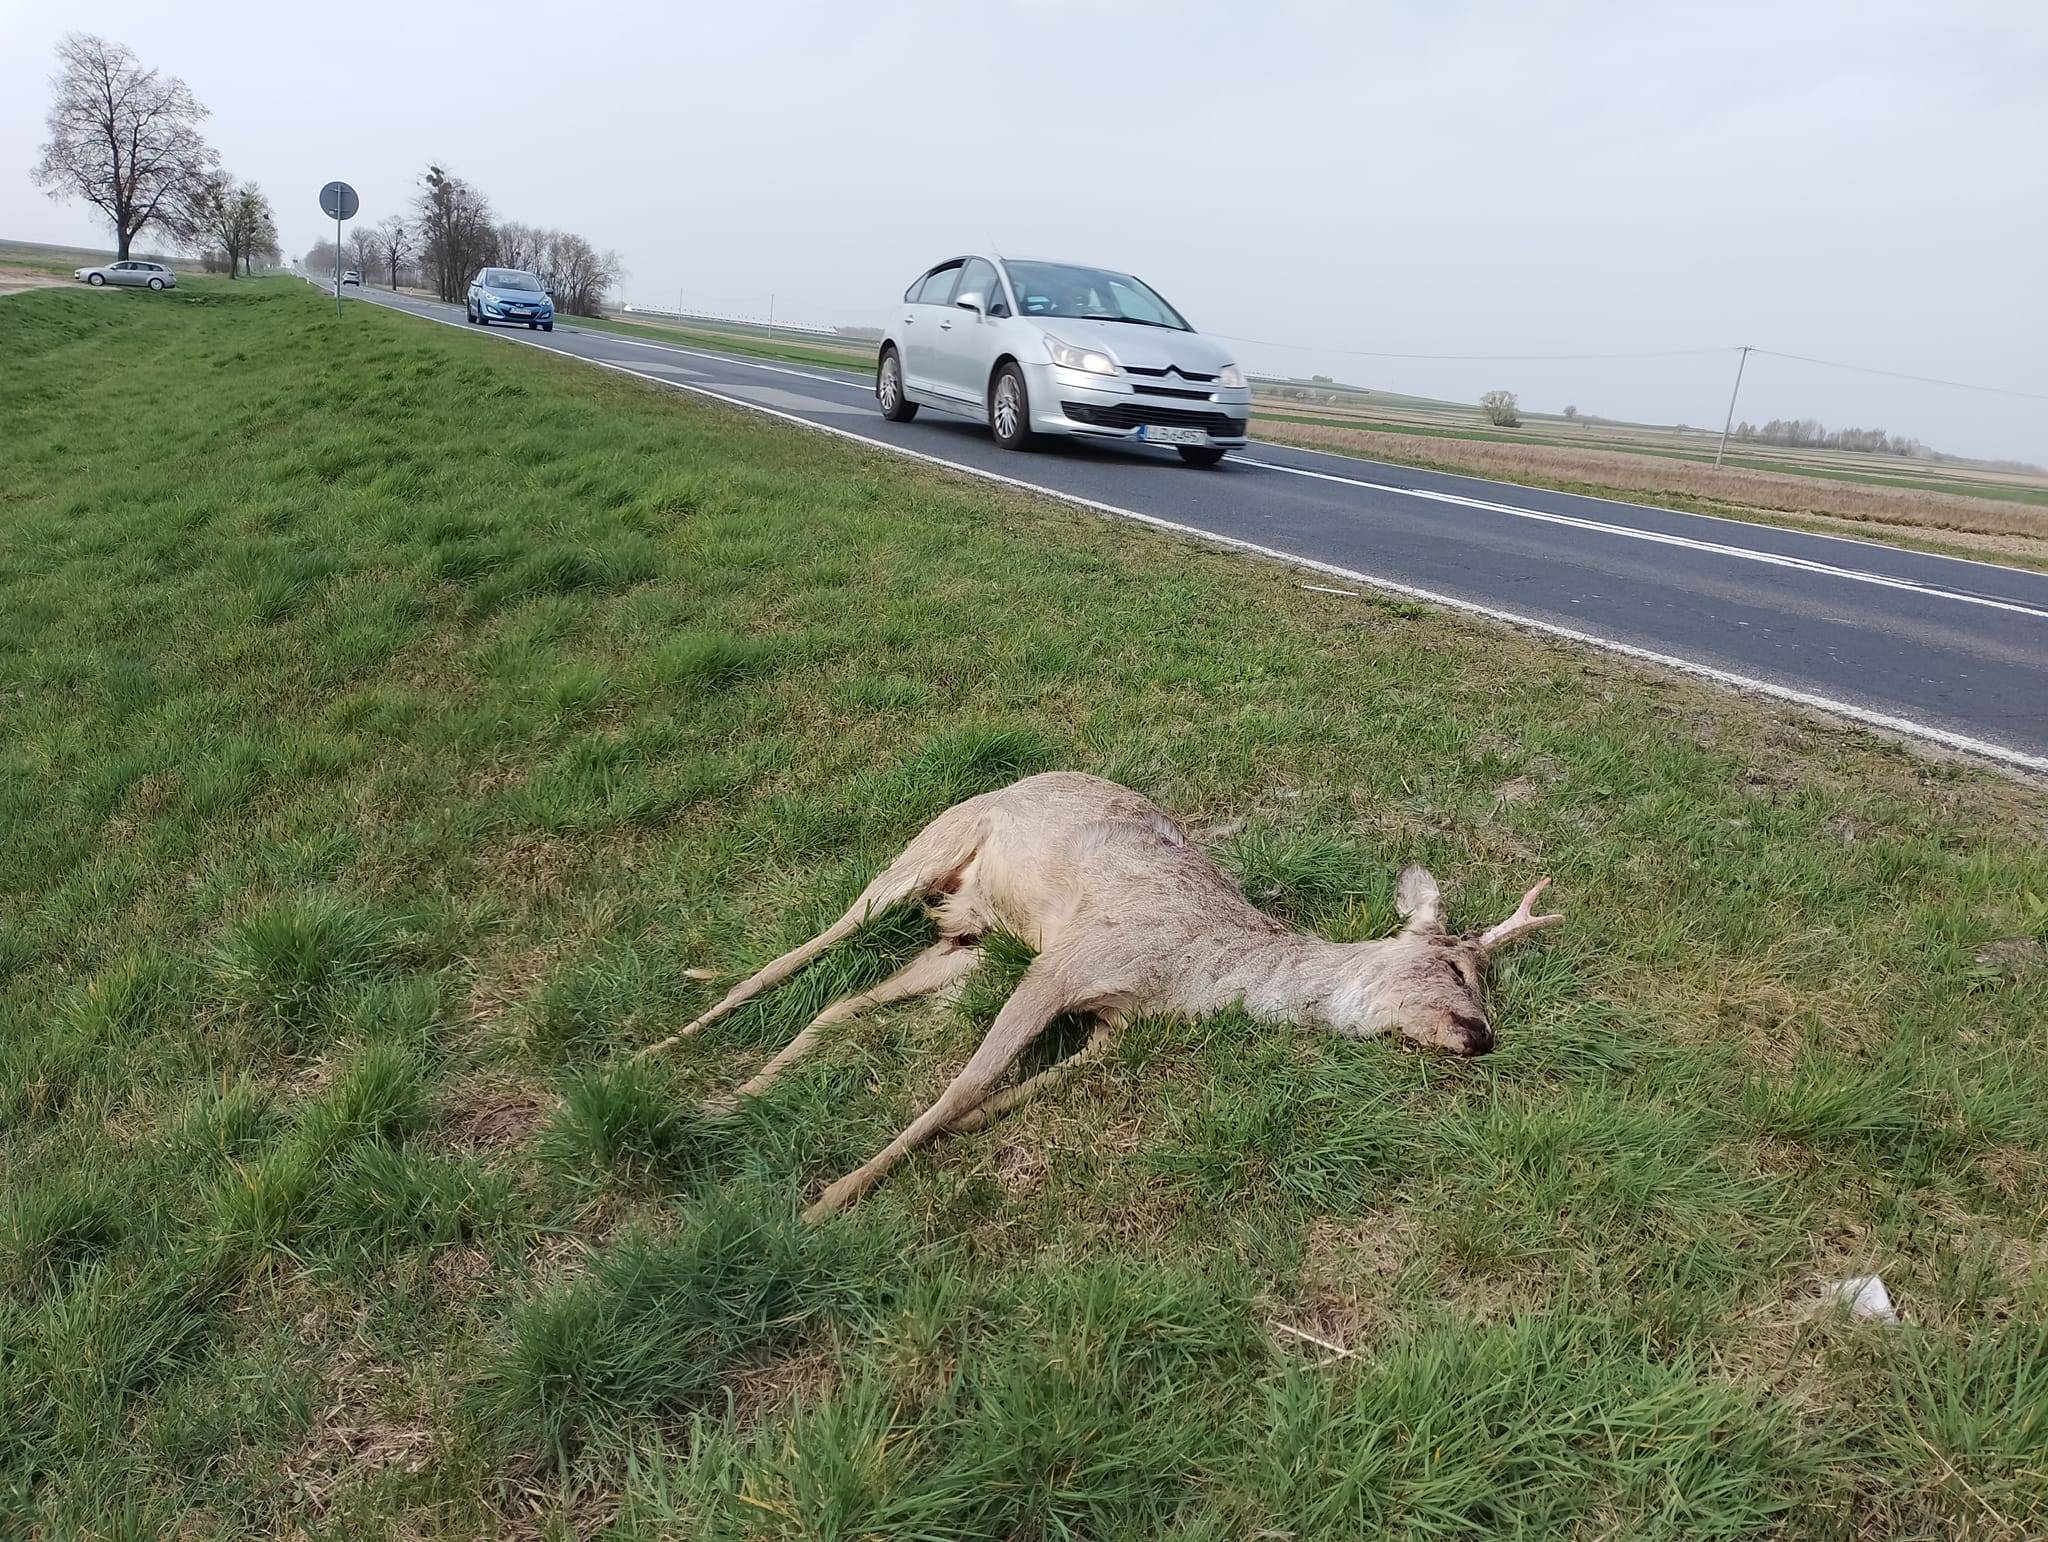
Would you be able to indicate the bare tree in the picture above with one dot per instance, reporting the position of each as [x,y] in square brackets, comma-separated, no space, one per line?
[264,242]
[396,242]
[456,232]
[365,251]
[580,275]
[123,138]
[521,246]
[1499,407]
[1571,412]
[232,218]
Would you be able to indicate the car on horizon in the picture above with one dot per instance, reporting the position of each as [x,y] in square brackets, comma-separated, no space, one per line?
[353,277]
[510,294]
[133,272]
[1031,347]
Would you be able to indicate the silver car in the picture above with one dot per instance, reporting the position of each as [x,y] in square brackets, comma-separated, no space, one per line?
[1033,348]
[141,275]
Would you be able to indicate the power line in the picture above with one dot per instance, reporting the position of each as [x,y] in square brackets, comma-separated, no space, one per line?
[1865,369]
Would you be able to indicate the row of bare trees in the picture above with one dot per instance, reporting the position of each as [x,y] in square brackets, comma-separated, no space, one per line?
[450,232]
[127,140]
[1806,433]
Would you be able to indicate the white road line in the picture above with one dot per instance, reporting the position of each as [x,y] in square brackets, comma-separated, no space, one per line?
[1662,538]
[865,386]
[1747,553]
[1962,743]
[1658,508]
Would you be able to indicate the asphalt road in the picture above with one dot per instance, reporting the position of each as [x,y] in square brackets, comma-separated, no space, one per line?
[1940,648]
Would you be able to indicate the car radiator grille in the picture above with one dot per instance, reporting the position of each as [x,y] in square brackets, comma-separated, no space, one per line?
[1132,414]
[1171,369]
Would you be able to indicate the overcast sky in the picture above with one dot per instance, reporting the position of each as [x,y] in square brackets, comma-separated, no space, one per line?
[1855,180]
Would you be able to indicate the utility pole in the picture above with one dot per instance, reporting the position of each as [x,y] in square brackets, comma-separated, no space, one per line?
[1730,419]
[771,316]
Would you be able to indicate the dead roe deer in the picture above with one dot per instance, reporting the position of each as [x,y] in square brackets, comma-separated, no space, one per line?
[1127,916]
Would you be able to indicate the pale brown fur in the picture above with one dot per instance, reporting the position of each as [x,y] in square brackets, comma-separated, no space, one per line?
[1127,916]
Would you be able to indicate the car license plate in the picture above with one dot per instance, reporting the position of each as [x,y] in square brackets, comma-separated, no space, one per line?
[1159,433]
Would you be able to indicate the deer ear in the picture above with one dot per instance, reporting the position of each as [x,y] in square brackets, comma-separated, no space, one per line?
[1419,900]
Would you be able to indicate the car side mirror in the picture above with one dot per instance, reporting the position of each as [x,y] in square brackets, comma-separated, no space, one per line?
[973,302]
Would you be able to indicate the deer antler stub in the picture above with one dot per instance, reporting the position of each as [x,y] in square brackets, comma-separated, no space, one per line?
[1523,921]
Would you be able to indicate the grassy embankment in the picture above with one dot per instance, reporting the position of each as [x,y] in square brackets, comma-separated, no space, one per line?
[389,719]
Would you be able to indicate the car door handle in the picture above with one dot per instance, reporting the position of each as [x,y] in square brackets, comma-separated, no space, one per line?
[945,326]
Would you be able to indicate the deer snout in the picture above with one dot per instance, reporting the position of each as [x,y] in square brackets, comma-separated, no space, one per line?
[1477,1037]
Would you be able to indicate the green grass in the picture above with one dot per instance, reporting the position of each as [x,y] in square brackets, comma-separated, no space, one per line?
[391,722]
[857,358]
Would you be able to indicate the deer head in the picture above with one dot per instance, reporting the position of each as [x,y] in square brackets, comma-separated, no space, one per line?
[1425,983]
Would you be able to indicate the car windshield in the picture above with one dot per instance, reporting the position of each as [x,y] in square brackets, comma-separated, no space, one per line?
[511,278]
[1089,294]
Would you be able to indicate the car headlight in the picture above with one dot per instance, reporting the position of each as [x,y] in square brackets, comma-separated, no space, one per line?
[1090,360]
[1231,376]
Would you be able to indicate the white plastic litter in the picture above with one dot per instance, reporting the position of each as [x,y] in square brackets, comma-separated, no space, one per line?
[1866,1298]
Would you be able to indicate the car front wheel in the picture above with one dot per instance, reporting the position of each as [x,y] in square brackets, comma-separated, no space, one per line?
[1009,409]
[1201,454]
[547,326]
[97,280]
[897,406]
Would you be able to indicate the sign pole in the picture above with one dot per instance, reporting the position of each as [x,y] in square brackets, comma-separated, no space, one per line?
[339,200]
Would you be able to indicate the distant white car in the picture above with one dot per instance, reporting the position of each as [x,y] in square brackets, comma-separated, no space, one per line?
[138,275]
[353,277]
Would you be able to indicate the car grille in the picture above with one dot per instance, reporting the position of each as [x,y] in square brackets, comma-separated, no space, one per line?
[1196,396]
[1171,369]
[1132,414]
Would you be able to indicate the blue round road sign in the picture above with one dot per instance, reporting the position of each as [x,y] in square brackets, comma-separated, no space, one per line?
[338,201]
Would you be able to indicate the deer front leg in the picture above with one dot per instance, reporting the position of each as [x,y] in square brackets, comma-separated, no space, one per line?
[943,964]
[1040,997]
[998,1104]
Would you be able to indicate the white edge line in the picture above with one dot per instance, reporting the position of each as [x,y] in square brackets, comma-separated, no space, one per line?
[1962,743]
[855,378]
[1666,538]
[1658,508]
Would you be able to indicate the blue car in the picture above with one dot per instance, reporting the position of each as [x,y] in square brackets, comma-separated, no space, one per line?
[510,294]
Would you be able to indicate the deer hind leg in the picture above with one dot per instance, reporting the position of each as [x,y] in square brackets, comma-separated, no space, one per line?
[1039,997]
[932,861]
[940,966]
[997,1104]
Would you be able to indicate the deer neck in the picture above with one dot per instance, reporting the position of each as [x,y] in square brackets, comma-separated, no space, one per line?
[1295,977]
